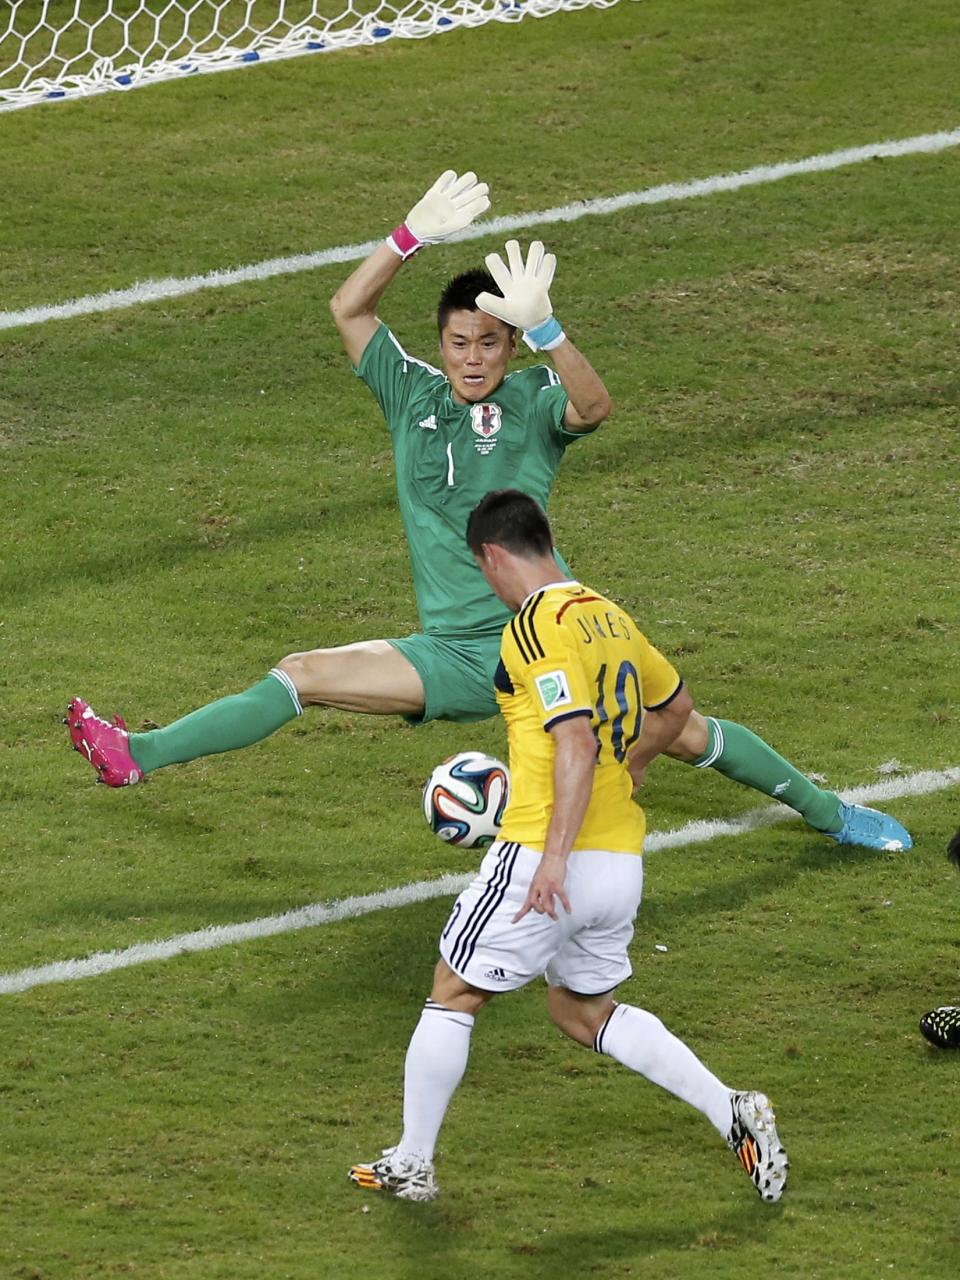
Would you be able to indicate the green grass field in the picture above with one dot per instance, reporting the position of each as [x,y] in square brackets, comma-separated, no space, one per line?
[190,490]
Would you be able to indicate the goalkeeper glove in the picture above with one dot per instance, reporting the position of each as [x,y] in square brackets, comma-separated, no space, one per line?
[451,204]
[526,301]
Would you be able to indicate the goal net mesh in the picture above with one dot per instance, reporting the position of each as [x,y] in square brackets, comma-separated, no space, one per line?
[65,48]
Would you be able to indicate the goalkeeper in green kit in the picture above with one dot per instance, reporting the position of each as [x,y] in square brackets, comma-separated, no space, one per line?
[457,432]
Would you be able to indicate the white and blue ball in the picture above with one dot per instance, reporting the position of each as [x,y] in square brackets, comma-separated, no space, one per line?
[464,799]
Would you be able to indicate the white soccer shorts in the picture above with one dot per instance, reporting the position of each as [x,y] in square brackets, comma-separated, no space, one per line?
[585,951]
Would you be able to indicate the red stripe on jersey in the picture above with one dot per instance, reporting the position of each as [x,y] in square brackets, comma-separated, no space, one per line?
[579,600]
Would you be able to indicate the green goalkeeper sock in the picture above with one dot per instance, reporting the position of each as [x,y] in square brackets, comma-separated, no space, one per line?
[225,725]
[739,754]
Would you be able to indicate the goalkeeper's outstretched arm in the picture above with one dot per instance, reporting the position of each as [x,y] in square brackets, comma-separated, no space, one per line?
[354,305]
[590,402]
[451,204]
[525,304]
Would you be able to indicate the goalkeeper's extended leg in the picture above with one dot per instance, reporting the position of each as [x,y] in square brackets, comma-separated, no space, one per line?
[371,676]
[739,754]
[121,758]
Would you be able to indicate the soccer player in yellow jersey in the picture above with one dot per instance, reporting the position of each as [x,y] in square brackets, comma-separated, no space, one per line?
[588,703]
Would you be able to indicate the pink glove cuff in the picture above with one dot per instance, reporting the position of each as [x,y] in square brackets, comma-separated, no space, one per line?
[403,242]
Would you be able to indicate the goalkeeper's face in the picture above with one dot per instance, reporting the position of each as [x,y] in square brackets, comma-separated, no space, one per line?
[476,350]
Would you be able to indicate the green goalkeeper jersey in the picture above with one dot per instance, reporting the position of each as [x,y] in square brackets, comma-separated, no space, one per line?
[447,457]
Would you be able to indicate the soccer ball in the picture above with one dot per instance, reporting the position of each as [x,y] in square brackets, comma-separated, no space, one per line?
[464,799]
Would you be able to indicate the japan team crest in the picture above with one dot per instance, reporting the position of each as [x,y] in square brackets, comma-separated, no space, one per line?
[485,419]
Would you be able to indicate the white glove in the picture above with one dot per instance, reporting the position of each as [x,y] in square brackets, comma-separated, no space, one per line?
[526,300]
[451,204]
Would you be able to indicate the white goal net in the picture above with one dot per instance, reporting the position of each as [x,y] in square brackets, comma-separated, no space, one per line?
[53,49]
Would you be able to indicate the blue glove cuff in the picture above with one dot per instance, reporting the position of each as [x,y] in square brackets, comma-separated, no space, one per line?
[545,336]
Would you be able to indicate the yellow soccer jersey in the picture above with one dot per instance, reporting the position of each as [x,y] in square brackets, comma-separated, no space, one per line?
[572,652]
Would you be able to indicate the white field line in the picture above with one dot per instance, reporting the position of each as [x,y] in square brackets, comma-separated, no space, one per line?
[318,913]
[174,287]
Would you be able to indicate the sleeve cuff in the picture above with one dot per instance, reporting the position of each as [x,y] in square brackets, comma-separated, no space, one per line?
[658,706]
[566,715]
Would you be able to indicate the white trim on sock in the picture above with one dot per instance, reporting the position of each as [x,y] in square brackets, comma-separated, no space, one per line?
[464,1019]
[290,687]
[717,751]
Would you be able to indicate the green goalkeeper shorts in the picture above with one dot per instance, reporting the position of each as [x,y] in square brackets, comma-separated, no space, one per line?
[457,675]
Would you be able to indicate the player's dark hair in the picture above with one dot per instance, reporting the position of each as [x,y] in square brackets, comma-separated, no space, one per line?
[511,519]
[460,294]
[953,850]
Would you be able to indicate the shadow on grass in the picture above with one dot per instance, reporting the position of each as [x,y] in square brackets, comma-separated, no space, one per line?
[432,1240]
[726,895]
[601,1249]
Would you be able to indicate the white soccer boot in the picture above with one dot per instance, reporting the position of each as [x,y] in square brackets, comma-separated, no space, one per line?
[406,1176]
[753,1136]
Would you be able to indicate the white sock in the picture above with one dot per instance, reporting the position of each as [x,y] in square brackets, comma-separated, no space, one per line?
[641,1042]
[436,1060]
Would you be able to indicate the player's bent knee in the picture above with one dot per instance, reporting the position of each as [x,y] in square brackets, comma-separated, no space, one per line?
[579,1017]
[450,990]
[577,1031]
[312,672]
[691,742]
[292,667]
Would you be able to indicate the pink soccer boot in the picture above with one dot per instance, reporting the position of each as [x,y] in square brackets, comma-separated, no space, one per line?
[105,745]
